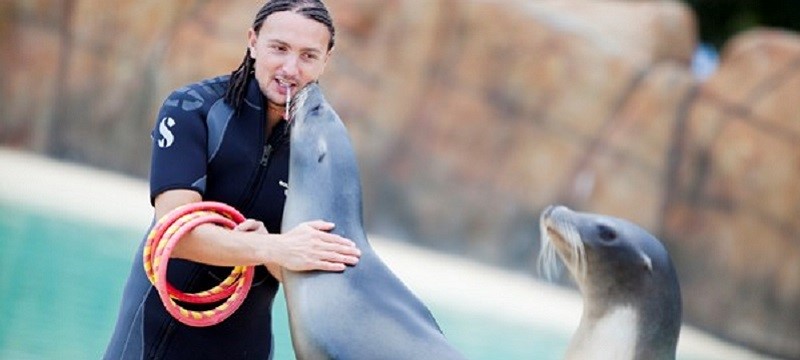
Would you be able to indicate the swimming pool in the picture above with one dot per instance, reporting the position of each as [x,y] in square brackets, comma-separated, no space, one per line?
[61,280]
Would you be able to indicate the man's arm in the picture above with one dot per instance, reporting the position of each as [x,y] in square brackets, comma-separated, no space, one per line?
[309,246]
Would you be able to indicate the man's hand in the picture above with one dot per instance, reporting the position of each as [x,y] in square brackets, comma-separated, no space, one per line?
[311,246]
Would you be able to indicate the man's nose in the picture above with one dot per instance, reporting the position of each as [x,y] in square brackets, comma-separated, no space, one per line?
[290,65]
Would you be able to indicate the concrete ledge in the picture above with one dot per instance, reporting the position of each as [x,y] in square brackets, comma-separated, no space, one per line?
[102,196]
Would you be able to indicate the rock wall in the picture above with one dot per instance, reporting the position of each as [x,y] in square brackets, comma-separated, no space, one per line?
[470,116]
[734,197]
[83,79]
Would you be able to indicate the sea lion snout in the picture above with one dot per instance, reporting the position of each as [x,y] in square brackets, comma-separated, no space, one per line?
[560,238]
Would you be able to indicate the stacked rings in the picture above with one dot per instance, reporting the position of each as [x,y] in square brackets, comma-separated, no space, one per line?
[159,244]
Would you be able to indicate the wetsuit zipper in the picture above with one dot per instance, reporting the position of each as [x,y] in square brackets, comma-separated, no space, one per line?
[256,188]
[265,156]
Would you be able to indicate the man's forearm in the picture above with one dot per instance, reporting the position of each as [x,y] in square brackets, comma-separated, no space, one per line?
[214,245]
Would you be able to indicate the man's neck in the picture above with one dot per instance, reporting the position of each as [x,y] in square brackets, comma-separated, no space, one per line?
[274,114]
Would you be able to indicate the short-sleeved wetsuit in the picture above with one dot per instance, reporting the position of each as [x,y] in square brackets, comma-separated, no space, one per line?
[201,143]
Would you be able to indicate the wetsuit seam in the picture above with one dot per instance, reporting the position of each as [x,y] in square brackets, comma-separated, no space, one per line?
[139,311]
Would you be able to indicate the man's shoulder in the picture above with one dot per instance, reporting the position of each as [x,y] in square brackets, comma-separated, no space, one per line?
[201,94]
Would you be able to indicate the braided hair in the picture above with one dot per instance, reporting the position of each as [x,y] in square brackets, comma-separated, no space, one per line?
[241,77]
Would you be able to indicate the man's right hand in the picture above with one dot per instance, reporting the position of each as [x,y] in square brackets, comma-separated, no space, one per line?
[311,246]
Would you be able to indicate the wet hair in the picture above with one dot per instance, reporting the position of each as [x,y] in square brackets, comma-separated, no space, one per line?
[241,77]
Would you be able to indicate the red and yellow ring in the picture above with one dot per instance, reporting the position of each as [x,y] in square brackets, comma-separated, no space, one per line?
[159,244]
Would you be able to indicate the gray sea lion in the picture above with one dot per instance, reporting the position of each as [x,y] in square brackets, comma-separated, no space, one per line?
[366,312]
[631,296]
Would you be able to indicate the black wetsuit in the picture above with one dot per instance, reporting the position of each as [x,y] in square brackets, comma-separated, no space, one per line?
[201,144]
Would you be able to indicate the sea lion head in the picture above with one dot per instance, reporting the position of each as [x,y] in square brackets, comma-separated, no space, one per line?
[609,258]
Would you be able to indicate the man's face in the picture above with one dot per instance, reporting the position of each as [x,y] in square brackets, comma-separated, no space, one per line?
[290,51]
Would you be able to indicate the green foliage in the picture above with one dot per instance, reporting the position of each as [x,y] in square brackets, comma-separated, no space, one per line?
[719,20]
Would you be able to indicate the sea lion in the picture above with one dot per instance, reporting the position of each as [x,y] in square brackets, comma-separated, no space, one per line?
[365,312]
[632,300]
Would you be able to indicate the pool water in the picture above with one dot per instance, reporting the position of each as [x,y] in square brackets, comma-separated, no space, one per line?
[61,280]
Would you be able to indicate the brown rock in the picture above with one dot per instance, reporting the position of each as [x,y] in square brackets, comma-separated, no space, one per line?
[510,112]
[733,214]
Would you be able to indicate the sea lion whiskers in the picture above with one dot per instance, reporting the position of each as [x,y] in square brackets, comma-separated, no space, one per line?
[560,233]
[295,102]
[288,103]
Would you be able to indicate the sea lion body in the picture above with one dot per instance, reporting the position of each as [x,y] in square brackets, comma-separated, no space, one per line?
[365,312]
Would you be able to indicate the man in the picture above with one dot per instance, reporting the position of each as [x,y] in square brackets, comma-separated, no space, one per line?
[225,139]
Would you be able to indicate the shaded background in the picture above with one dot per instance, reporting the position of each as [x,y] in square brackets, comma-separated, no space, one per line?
[471,116]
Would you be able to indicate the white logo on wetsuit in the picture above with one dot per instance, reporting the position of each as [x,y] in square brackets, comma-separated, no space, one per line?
[285,186]
[167,138]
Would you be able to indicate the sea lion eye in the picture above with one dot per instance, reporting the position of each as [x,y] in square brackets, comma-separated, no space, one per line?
[606,233]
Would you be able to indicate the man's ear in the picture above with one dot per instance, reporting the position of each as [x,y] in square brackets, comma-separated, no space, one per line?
[325,61]
[252,39]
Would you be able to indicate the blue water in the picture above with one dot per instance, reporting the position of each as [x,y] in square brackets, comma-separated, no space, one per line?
[61,280]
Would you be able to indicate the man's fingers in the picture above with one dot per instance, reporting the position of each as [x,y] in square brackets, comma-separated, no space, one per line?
[330,266]
[325,227]
[328,237]
[342,259]
[244,225]
[249,225]
[339,245]
[335,239]
[321,225]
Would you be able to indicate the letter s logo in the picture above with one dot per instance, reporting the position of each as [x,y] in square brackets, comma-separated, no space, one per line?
[167,138]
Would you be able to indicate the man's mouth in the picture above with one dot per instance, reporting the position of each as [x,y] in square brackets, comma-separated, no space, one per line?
[284,85]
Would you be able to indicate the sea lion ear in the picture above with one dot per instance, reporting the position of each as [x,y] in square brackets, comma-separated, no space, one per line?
[648,264]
